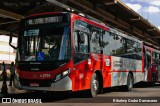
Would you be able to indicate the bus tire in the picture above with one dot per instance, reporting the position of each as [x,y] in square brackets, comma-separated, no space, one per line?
[94,85]
[129,85]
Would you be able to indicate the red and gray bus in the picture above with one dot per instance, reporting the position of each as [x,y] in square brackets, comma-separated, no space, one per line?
[151,64]
[60,51]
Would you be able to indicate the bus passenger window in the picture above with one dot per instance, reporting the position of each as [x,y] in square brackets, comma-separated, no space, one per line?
[148,58]
[81,42]
[80,46]
[95,41]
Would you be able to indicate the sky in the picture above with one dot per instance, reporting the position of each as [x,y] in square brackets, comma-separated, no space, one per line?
[149,9]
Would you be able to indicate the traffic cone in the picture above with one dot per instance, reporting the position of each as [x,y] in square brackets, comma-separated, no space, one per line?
[4,89]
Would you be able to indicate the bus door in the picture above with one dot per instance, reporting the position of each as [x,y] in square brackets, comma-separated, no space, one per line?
[147,62]
[81,56]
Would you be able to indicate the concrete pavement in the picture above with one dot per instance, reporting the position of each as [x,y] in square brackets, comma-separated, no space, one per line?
[63,99]
[11,89]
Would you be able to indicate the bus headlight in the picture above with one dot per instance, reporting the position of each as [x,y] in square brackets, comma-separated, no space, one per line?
[58,77]
[64,73]
[61,75]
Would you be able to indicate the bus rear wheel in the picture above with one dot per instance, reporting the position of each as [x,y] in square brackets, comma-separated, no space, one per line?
[94,85]
[129,85]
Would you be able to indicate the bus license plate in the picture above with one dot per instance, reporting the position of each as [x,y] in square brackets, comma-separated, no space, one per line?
[34,84]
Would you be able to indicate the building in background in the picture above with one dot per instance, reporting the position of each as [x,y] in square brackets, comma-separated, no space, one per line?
[7,53]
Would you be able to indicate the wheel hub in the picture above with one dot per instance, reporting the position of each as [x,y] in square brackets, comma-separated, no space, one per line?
[95,85]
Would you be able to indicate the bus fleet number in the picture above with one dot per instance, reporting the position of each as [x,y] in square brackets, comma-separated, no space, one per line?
[45,75]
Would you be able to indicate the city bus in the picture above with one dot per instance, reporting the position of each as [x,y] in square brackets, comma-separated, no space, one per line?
[151,64]
[61,51]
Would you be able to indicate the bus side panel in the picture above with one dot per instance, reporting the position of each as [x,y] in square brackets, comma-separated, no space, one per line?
[74,76]
[84,70]
[106,73]
[119,78]
[138,76]
[83,75]
[121,67]
[153,70]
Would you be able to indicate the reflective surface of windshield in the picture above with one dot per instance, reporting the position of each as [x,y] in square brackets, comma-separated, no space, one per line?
[48,43]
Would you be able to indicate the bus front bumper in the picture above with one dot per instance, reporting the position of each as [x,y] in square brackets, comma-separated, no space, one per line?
[64,84]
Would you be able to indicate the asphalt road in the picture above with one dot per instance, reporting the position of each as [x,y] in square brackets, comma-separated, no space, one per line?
[142,94]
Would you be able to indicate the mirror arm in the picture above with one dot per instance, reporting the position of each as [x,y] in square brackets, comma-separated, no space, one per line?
[10,40]
[12,46]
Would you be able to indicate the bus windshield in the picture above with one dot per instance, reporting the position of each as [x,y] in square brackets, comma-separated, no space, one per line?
[48,43]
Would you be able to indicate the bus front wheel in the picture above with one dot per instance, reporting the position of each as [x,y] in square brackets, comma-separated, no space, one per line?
[94,85]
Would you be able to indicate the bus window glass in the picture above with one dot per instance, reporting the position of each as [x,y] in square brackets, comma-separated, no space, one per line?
[155,57]
[48,41]
[120,46]
[109,44]
[96,38]
[81,40]
[148,60]
[79,46]
[134,49]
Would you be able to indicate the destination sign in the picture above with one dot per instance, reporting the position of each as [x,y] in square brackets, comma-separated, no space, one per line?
[31,32]
[45,20]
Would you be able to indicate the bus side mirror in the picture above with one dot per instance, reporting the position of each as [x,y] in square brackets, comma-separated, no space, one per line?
[10,40]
